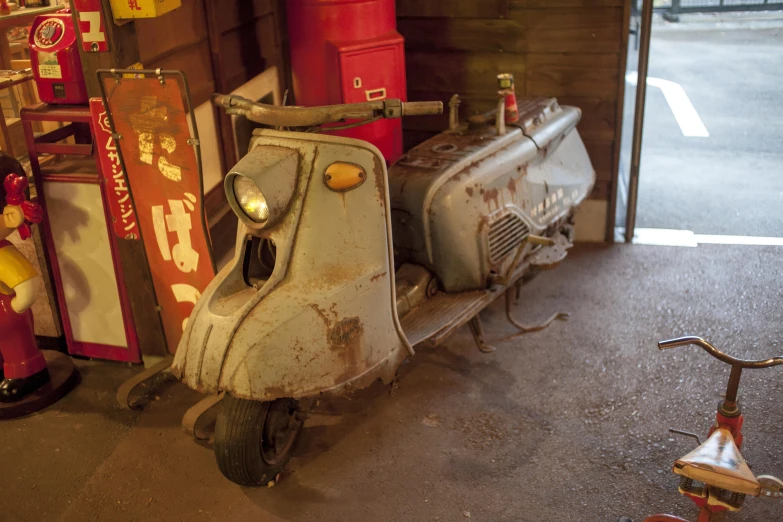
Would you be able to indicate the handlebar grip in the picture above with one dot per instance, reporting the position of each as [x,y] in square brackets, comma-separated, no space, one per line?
[220,100]
[680,341]
[709,348]
[430,108]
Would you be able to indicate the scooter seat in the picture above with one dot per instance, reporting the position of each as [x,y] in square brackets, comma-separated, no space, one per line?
[718,462]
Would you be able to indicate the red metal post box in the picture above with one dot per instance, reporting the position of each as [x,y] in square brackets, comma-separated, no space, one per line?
[348,51]
[54,55]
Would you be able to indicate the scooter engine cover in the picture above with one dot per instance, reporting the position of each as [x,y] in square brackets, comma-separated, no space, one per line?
[466,199]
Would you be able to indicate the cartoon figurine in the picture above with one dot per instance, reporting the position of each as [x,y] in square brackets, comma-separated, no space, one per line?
[24,368]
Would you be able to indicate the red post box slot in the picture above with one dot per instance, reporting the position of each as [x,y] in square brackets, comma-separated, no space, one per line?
[376,94]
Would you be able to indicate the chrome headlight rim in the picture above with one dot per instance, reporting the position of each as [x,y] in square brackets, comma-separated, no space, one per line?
[237,207]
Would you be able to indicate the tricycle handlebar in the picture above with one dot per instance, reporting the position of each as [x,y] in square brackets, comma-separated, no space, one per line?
[709,348]
[312,116]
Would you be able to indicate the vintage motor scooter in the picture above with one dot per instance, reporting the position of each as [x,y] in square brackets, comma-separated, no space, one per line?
[342,268]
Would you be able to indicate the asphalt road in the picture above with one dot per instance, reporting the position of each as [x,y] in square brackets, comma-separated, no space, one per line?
[732,181]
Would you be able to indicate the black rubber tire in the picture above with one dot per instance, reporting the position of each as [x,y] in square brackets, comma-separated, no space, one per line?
[239,432]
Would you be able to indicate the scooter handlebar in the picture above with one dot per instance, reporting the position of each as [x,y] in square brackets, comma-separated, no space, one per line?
[312,116]
[709,348]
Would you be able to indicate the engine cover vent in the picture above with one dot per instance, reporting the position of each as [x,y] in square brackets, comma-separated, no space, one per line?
[505,235]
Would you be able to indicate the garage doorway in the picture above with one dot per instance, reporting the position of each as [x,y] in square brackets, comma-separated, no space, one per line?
[712,147]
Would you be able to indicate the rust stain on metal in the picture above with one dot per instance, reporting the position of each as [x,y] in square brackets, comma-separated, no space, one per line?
[343,337]
[378,175]
[278,391]
[322,314]
[376,277]
[482,223]
[346,339]
[344,332]
[491,195]
[333,274]
[469,190]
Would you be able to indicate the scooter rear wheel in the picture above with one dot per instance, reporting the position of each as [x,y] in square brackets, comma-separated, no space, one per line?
[254,440]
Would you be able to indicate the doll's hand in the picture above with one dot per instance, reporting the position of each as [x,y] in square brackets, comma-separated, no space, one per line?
[26,292]
[13,216]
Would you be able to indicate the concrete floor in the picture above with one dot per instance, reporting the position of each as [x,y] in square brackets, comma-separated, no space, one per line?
[728,183]
[569,424]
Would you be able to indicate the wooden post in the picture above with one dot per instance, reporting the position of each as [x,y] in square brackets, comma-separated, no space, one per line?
[124,52]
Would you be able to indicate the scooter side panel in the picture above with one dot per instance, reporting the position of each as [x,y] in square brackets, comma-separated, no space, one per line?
[465,200]
[539,187]
[462,208]
[420,173]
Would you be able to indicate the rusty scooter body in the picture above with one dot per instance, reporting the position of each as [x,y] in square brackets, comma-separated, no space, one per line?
[342,268]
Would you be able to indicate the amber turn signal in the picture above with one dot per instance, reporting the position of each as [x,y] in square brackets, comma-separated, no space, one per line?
[341,177]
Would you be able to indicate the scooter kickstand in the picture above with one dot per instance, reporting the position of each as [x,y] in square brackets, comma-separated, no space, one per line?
[190,421]
[523,329]
[141,382]
[478,335]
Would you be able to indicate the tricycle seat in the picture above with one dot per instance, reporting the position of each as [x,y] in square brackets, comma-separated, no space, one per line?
[718,462]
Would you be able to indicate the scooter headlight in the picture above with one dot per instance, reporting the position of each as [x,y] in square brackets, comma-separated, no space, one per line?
[260,188]
[250,199]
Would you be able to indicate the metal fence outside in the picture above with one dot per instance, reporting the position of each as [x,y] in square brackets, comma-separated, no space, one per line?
[673,8]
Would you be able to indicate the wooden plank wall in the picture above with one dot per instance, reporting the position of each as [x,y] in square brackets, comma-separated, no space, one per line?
[219,46]
[179,40]
[571,49]
[247,37]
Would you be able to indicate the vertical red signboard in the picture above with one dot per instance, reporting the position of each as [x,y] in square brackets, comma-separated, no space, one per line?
[149,117]
[114,182]
[92,26]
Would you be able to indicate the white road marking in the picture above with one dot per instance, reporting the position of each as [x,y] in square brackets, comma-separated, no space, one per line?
[684,112]
[686,238]
[739,240]
[664,237]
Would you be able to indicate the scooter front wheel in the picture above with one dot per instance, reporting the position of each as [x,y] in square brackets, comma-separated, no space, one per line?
[254,440]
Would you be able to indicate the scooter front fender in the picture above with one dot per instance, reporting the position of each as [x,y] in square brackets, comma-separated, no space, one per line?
[295,342]
[299,342]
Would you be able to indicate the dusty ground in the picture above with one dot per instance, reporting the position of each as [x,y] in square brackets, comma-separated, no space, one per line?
[569,424]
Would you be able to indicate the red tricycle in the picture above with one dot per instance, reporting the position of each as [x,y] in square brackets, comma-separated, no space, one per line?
[714,475]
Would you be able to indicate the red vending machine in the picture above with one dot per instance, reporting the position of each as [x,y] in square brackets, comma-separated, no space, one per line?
[349,51]
[54,56]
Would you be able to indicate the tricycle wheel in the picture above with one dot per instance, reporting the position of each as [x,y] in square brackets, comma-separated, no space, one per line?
[254,440]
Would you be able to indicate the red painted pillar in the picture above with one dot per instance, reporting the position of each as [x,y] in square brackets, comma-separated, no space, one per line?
[349,51]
